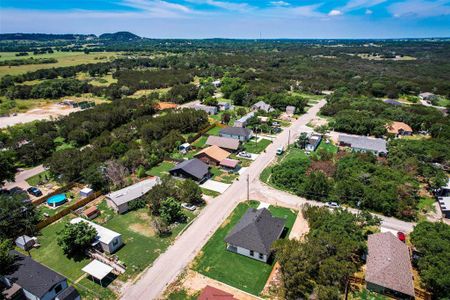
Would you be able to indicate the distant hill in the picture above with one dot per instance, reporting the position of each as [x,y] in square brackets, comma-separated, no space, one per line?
[45,36]
[119,36]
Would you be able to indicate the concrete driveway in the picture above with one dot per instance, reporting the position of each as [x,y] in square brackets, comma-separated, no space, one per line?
[215,186]
[22,176]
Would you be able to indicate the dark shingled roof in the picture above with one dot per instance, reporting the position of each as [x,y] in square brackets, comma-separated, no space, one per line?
[241,131]
[389,264]
[68,294]
[194,166]
[33,276]
[256,230]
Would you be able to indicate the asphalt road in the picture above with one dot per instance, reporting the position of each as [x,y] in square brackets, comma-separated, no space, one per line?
[22,176]
[172,262]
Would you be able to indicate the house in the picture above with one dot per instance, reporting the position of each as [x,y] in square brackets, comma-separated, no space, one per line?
[290,110]
[392,102]
[255,233]
[210,110]
[240,133]
[242,122]
[261,105]
[263,119]
[211,293]
[86,192]
[194,169]
[32,280]
[443,198]
[360,143]
[229,164]
[212,155]
[68,294]
[224,106]
[120,200]
[389,268]
[427,96]
[216,83]
[399,128]
[313,142]
[25,242]
[91,212]
[109,241]
[226,143]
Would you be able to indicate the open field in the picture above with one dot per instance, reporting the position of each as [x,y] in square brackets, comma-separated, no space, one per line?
[233,269]
[65,59]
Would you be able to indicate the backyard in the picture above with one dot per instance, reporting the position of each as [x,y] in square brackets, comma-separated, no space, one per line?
[233,269]
[161,169]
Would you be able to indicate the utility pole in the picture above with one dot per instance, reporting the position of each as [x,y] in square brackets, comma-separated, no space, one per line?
[248,187]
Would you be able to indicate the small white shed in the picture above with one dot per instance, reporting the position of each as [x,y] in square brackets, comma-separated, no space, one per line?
[86,192]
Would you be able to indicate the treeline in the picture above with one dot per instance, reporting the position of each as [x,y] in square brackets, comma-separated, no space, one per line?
[28,61]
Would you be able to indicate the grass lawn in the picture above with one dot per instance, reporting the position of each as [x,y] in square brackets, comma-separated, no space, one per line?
[36,179]
[65,59]
[214,131]
[328,147]
[233,269]
[426,205]
[223,176]
[161,169]
[200,142]
[181,295]
[210,193]
[253,147]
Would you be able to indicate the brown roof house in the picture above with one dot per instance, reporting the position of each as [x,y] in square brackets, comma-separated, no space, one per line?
[212,155]
[399,128]
[226,143]
[389,268]
[211,293]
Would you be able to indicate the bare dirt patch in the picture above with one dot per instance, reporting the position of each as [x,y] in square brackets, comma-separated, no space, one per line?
[143,229]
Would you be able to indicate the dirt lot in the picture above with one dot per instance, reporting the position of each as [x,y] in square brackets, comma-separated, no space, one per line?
[43,113]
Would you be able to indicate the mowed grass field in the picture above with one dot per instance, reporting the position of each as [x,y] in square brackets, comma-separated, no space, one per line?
[65,59]
[233,269]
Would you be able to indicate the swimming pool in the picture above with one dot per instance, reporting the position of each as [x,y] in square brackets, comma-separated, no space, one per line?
[56,200]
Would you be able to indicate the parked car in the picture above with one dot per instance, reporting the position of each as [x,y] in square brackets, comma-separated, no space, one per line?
[276,130]
[401,236]
[244,154]
[34,191]
[280,150]
[332,205]
[188,206]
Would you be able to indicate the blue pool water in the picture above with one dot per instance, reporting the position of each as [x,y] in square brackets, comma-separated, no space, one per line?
[56,200]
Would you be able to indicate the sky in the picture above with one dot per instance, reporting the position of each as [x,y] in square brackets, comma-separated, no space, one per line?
[231,18]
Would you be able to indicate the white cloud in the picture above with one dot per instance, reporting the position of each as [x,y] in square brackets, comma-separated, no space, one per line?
[241,7]
[356,4]
[280,3]
[335,12]
[368,12]
[159,8]
[420,8]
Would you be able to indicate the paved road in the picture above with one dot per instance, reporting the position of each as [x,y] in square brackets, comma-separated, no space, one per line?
[169,264]
[24,175]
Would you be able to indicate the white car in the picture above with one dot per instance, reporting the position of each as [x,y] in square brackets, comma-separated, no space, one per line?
[280,150]
[244,154]
[332,205]
[188,206]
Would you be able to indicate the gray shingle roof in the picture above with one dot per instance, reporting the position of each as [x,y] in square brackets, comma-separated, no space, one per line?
[261,105]
[194,166]
[364,142]
[68,294]
[389,264]
[240,131]
[256,230]
[133,192]
[33,276]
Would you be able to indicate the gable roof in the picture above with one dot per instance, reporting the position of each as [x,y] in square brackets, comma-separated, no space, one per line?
[194,167]
[364,142]
[240,131]
[215,152]
[392,102]
[33,276]
[104,234]
[256,230]
[230,163]
[395,127]
[245,118]
[223,142]
[389,264]
[68,294]
[133,192]
[261,105]
[211,293]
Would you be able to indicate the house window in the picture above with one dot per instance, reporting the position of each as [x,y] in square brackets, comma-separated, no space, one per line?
[58,288]
[252,253]
[261,256]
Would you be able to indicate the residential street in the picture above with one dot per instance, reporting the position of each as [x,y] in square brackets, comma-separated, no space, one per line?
[171,263]
[24,175]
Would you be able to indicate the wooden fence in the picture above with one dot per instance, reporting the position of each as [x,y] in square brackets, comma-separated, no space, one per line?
[67,210]
[201,132]
[58,191]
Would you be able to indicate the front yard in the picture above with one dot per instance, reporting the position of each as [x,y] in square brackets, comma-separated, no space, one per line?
[256,147]
[161,169]
[233,269]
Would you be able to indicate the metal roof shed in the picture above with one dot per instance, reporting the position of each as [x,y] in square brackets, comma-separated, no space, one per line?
[97,270]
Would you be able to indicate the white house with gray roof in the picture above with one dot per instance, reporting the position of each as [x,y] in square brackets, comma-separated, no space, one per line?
[120,200]
[242,122]
[255,233]
[210,110]
[360,143]
[261,105]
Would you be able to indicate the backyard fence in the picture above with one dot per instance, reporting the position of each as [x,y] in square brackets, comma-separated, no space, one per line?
[67,210]
[201,132]
[58,191]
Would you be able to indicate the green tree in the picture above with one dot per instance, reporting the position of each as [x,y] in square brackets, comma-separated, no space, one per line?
[6,258]
[190,192]
[7,166]
[171,212]
[75,238]
[16,217]
[316,186]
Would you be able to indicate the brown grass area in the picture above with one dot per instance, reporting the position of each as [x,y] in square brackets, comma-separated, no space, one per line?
[142,229]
